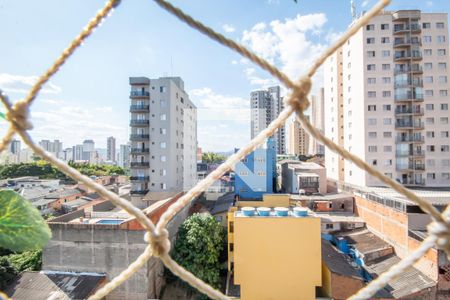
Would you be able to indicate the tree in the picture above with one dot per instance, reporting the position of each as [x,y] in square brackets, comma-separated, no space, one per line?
[27,261]
[200,242]
[211,157]
[7,272]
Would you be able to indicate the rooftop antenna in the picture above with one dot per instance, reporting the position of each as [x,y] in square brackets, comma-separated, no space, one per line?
[353,9]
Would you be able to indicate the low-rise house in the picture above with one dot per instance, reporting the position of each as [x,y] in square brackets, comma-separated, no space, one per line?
[64,195]
[303,177]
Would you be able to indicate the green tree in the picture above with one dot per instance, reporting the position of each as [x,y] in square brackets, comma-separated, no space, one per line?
[7,272]
[199,245]
[211,157]
[27,261]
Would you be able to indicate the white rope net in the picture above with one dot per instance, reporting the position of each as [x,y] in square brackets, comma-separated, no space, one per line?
[297,102]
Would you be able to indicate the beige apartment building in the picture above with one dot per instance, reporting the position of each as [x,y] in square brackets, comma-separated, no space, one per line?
[298,139]
[386,93]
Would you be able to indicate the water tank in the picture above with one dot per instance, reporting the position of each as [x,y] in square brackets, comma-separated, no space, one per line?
[263,211]
[281,211]
[248,211]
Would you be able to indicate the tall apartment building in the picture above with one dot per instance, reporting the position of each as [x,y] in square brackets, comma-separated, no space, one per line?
[265,106]
[386,92]
[317,120]
[299,140]
[111,149]
[14,147]
[77,152]
[163,136]
[88,149]
[124,156]
[52,147]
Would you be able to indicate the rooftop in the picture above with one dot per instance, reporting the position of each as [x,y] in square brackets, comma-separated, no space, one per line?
[364,241]
[338,262]
[434,196]
[66,192]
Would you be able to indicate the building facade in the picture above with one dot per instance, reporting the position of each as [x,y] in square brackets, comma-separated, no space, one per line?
[88,150]
[299,140]
[163,136]
[111,149]
[265,106]
[14,147]
[256,173]
[317,120]
[387,93]
[124,156]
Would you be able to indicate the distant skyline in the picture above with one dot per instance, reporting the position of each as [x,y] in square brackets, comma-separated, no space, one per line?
[88,98]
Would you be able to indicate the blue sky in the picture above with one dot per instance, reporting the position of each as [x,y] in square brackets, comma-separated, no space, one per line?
[88,98]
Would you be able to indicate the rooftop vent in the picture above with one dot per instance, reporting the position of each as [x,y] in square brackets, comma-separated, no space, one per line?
[263,211]
[248,211]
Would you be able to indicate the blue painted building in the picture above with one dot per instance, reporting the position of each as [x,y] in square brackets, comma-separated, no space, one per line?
[255,175]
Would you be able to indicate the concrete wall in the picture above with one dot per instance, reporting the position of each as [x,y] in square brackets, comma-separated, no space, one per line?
[418,221]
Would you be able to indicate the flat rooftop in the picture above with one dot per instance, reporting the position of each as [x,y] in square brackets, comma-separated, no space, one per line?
[320,197]
[364,240]
[272,214]
[433,195]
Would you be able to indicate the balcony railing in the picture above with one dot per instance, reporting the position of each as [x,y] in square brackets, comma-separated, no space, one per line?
[407,28]
[140,164]
[411,166]
[139,122]
[409,125]
[139,108]
[414,182]
[139,192]
[410,139]
[139,150]
[137,137]
[407,83]
[410,153]
[409,97]
[409,111]
[139,94]
[409,69]
[140,178]
[408,56]
[406,43]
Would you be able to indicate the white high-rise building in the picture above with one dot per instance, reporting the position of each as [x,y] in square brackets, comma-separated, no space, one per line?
[124,156]
[15,147]
[111,149]
[317,119]
[88,149]
[265,106]
[387,98]
[77,151]
[163,136]
[54,147]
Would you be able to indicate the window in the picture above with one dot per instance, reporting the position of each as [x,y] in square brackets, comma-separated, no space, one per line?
[243,173]
[163,145]
[444,106]
[429,121]
[431,176]
[387,121]
[431,162]
[444,148]
[442,79]
[386,107]
[231,227]
[370,27]
[370,40]
[428,79]
[372,135]
[328,226]
[371,80]
[440,25]
[386,67]
[441,52]
[445,176]
[372,94]
[384,26]
[372,108]
[388,162]
[372,121]
[385,53]
[387,148]
[387,134]
[442,66]
[162,89]
[163,158]
[426,25]
[426,39]
[430,134]
[428,66]
[163,103]
[444,120]
[444,134]
[162,172]
[429,93]
[441,38]
[163,117]
[430,148]
[163,186]
[371,67]
[374,162]
[371,53]
[429,106]
[372,148]
[386,80]
[162,131]
[446,162]
[386,94]
[443,93]
[427,52]
[385,40]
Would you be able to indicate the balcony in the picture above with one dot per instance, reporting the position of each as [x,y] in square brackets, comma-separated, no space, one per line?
[140,178]
[142,164]
[139,108]
[140,150]
[139,122]
[406,15]
[399,43]
[408,56]
[409,125]
[413,182]
[415,153]
[410,139]
[139,192]
[411,167]
[414,69]
[409,111]
[417,82]
[139,94]
[139,137]
[409,97]
[403,28]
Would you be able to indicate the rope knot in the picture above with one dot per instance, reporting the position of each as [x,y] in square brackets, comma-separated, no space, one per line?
[159,241]
[442,231]
[298,99]
[18,116]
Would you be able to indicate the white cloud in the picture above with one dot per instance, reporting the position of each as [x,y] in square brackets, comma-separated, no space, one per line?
[365,3]
[429,3]
[291,44]
[228,28]
[234,62]
[21,84]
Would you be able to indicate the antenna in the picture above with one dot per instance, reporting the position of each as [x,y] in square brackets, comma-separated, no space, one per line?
[353,9]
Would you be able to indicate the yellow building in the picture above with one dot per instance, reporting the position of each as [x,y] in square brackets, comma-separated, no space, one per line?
[274,257]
